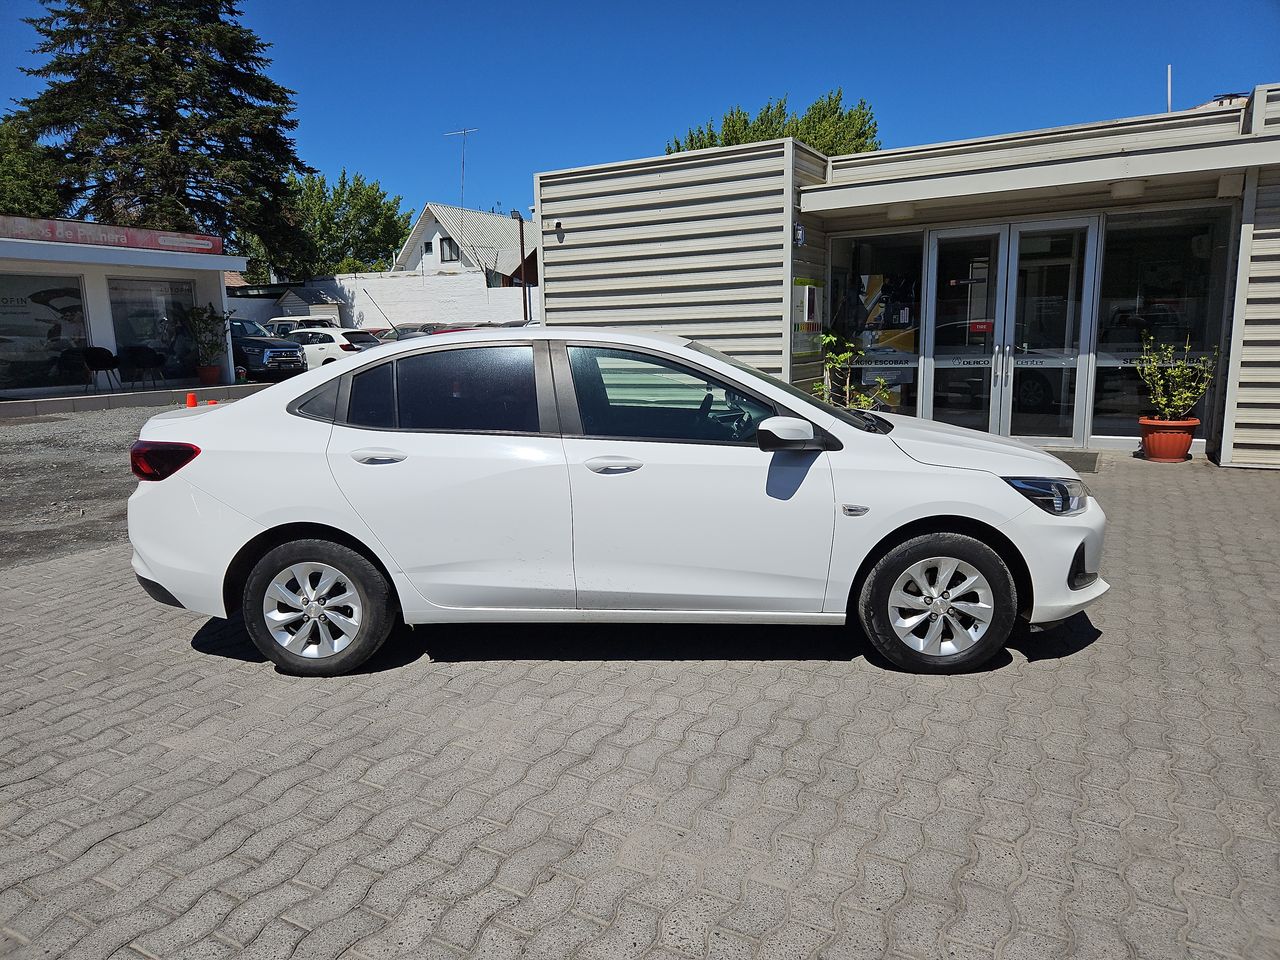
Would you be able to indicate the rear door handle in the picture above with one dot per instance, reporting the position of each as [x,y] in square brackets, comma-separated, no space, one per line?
[610,466]
[377,455]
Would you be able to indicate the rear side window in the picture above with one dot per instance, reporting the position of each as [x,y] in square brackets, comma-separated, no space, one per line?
[323,405]
[472,389]
[372,402]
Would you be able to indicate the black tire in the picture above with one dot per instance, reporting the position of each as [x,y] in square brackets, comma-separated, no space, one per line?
[358,575]
[874,602]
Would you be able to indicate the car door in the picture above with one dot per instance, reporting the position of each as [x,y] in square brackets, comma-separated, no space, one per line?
[675,507]
[451,460]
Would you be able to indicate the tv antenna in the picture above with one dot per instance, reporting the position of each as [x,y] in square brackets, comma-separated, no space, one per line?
[462,186]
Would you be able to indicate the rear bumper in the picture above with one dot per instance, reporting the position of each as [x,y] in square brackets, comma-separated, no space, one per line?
[183,543]
[1057,551]
[157,592]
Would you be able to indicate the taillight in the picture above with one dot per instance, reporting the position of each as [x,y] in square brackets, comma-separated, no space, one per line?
[348,346]
[155,459]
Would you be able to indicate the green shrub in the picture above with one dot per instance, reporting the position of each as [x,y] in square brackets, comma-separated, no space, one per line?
[1174,383]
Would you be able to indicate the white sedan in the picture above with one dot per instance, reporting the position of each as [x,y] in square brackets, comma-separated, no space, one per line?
[559,474]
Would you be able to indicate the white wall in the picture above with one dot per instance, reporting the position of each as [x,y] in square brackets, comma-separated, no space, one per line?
[418,298]
[432,231]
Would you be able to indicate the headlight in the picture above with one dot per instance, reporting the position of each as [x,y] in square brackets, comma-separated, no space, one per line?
[1059,497]
[253,351]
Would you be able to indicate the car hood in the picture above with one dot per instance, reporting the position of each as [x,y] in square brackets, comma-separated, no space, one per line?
[265,343]
[942,445]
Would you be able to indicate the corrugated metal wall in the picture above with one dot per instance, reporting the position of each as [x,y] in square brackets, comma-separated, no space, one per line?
[809,261]
[693,244]
[1256,437]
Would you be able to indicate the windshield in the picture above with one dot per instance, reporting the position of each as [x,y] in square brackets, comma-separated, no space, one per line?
[855,418]
[359,336]
[247,328]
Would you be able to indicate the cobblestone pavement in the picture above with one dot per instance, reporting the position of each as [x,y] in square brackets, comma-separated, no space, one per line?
[1107,789]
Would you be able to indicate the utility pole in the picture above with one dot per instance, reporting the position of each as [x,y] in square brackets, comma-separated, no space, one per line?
[462,189]
[1168,88]
[524,286]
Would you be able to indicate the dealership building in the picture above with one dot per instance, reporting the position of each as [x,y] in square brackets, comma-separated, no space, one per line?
[87,306]
[1004,283]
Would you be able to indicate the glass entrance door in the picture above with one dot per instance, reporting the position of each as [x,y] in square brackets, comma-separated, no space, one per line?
[964,323]
[1051,298]
[1007,310]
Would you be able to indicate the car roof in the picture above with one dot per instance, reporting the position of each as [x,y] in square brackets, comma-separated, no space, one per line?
[600,334]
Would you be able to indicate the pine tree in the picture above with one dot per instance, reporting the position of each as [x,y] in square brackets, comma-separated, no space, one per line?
[826,125]
[160,115]
[28,174]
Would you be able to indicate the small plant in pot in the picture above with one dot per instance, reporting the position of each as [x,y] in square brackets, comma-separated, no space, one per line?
[208,327]
[839,368]
[1175,383]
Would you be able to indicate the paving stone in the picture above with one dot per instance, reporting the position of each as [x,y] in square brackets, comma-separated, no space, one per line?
[1110,789]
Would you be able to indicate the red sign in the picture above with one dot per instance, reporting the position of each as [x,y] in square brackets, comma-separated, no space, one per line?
[106,235]
[981,326]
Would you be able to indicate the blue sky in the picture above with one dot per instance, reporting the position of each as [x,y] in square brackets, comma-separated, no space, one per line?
[559,85]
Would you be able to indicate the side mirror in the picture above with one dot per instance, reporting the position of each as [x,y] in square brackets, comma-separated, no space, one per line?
[787,433]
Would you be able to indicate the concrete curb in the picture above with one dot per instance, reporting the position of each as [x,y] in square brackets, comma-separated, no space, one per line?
[167,397]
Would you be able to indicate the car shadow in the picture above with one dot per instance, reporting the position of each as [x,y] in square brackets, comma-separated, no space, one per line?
[474,642]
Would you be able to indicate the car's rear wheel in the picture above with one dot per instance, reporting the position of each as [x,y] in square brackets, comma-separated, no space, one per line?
[939,603]
[317,608]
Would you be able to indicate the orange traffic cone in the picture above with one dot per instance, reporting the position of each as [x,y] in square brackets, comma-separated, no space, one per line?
[191,400]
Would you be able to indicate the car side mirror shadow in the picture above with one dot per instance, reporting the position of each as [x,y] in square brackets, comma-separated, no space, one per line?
[788,433]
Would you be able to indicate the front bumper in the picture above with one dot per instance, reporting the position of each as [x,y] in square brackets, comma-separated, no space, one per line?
[1056,550]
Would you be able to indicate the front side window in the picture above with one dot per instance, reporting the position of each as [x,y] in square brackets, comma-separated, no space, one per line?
[448,249]
[645,397]
[477,389]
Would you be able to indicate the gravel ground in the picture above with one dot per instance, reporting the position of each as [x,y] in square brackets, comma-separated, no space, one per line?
[65,481]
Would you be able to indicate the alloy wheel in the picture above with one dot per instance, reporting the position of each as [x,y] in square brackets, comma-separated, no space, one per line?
[941,606]
[312,610]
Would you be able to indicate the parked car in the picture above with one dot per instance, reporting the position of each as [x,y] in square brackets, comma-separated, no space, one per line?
[561,474]
[282,326]
[263,356]
[325,345]
[406,331]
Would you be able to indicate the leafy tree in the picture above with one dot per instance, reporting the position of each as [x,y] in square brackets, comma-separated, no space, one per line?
[28,174]
[160,115]
[827,126]
[351,226]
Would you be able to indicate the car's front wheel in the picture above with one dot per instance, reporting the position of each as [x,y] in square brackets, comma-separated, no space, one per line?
[317,608]
[939,603]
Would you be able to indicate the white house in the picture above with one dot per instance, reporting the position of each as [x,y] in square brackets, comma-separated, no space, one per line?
[451,240]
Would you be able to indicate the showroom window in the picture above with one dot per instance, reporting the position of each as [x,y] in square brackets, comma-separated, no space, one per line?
[1163,277]
[152,324]
[42,332]
[875,304]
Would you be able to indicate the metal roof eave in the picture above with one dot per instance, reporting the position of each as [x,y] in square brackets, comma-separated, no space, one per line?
[72,253]
[1207,158]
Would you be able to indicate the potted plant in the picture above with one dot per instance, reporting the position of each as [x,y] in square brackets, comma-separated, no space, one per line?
[838,385]
[209,326]
[1175,383]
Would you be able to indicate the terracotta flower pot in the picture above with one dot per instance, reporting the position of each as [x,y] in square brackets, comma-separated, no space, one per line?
[210,376]
[1167,441]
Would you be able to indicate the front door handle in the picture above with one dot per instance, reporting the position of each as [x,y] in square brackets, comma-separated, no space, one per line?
[611,466]
[376,455]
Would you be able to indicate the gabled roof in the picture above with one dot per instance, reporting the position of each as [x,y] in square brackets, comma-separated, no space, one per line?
[490,240]
[310,295]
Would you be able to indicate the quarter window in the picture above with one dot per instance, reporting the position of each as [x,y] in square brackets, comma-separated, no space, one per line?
[372,402]
[636,395]
[473,389]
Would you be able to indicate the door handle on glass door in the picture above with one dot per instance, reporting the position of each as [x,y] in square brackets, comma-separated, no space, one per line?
[611,466]
[376,455]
